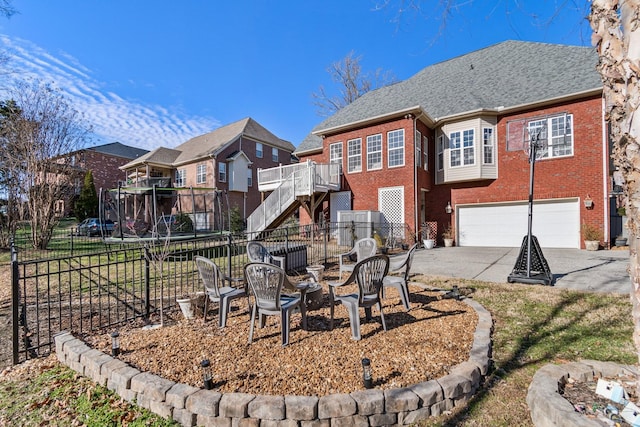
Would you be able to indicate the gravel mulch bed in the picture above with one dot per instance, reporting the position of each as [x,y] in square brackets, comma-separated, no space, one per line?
[419,345]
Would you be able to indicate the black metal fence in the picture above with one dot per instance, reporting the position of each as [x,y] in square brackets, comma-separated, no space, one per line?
[93,292]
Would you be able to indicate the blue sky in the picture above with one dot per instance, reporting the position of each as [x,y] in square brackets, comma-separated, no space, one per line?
[156,73]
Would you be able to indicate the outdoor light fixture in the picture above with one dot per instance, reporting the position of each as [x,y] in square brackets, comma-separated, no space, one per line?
[588,202]
[207,377]
[448,209]
[367,378]
[115,343]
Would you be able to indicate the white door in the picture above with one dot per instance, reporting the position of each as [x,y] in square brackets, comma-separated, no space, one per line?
[556,224]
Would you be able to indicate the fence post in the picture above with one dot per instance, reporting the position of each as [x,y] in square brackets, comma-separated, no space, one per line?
[229,267]
[325,239]
[71,243]
[15,298]
[147,282]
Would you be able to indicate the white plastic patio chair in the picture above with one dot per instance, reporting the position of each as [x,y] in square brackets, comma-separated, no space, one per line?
[256,252]
[369,275]
[363,248]
[401,283]
[214,292]
[266,282]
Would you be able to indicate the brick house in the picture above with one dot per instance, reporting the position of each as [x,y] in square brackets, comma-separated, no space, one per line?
[450,146]
[210,170]
[104,162]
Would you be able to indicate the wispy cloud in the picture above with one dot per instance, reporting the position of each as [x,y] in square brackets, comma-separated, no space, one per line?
[113,117]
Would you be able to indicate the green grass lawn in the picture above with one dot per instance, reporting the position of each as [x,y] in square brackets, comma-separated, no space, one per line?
[533,325]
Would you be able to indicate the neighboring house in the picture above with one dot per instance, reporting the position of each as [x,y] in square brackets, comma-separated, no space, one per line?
[221,164]
[456,135]
[104,161]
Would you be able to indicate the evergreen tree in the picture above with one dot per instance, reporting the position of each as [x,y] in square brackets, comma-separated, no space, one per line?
[87,204]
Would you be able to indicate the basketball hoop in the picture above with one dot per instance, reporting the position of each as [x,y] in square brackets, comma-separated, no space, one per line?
[531,266]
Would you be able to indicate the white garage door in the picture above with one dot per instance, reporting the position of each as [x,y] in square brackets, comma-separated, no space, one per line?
[556,224]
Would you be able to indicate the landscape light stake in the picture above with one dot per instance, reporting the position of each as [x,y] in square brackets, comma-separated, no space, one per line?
[367,378]
[207,376]
[115,343]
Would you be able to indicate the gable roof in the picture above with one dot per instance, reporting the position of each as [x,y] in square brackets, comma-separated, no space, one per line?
[160,156]
[506,75]
[120,150]
[212,142]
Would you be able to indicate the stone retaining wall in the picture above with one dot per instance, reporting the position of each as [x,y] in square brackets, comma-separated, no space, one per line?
[191,406]
[549,408]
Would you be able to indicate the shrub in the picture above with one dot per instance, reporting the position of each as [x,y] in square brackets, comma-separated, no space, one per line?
[590,232]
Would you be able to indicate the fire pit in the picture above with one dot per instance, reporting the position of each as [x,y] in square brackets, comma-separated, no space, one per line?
[313,297]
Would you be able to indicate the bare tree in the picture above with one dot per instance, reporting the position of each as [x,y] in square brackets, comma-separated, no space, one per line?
[34,151]
[347,74]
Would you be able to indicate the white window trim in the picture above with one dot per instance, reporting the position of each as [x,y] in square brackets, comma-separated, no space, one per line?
[492,145]
[332,151]
[181,177]
[378,151]
[390,150]
[549,138]
[274,154]
[440,153]
[222,169]
[260,152]
[249,177]
[462,148]
[418,145]
[358,143]
[201,176]
[425,151]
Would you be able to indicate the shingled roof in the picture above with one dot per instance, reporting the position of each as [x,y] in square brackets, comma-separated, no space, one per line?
[210,143]
[119,150]
[507,75]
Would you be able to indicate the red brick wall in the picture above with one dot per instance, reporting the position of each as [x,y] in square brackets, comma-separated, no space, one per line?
[364,185]
[105,168]
[575,176]
[253,196]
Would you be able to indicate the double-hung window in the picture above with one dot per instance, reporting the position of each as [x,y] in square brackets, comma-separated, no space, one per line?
[222,172]
[487,146]
[335,154]
[249,177]
[259,152]
[374,152]
[461,148]
[181,177]
[440,152]
[395,147]
[425,152]
[274,154]
[418,144]
[555,135]
[201,173]
[354,155]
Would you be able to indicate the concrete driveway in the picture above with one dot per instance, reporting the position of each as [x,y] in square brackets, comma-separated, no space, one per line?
[593,271]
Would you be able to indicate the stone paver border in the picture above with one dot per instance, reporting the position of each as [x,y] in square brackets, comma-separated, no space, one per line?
[192,406]
[549,408]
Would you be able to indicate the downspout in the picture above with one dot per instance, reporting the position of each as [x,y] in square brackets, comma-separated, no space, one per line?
[416,200]
[605,174]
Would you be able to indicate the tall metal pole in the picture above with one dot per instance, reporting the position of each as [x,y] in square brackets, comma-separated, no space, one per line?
[532,166]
